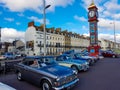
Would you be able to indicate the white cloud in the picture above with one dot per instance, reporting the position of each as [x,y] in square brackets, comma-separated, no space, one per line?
[10,34]
[108,24]
[86,34]
[58,3]
[36,19]
[35,5]
[105,36]
[21,5]
[112,5]
[116,16]
[18,23]
[80,18]
[111,37]
[9,19]
[118,37]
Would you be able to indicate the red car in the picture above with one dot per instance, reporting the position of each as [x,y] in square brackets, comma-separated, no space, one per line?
[110,54]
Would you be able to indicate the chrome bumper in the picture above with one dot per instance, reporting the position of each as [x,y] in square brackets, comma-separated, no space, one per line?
[66,85]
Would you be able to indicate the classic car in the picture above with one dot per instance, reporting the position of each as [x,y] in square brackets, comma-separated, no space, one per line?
[78,56]
[77,65]
[86,55]
[110,54]
[47,73]
[9,55]
[2,57]
[5,87]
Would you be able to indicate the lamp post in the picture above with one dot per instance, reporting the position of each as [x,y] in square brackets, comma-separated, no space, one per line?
[44,27]
[114,34]
[0,34]
[0,41]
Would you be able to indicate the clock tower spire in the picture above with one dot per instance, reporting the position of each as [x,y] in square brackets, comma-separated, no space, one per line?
[93,29]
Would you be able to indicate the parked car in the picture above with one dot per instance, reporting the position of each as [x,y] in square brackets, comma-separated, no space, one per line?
[86,55]
[78,56]
[47,73]
[77,65]
[5,87]
[18,55]
[9,55]
[110,54]
[2,57]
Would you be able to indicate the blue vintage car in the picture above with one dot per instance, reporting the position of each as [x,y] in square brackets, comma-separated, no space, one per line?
[77,65]
[46,73]
[78,56]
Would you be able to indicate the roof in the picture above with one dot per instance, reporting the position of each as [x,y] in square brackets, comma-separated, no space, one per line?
[92,4]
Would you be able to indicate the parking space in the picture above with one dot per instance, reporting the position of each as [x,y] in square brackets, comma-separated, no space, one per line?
[103,75]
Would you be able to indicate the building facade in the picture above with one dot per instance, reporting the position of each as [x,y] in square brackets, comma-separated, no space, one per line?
[57,41]
[107,44]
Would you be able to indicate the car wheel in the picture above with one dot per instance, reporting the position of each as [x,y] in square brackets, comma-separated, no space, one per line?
[46,85]
[91,62]
[113,56]
[75,68]
[19,76]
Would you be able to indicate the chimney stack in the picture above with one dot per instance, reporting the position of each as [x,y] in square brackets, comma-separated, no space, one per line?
[31,24]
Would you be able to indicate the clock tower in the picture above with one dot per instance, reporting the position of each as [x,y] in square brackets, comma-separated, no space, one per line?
[93,49]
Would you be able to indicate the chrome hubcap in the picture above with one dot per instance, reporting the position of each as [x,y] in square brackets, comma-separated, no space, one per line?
[74,68]
[19,76]
[45,86]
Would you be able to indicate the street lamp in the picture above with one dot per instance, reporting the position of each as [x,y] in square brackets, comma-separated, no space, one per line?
[0,34]
[114,35]
[44,27]
[0,40]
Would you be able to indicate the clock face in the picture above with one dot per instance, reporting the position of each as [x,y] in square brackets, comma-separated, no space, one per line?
[91,13]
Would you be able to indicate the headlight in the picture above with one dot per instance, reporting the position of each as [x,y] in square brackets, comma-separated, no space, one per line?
[86,63]
[75,72]
[57,82]
[57,79]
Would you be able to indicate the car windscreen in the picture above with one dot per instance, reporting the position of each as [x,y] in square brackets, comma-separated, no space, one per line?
[68,57]
[77,55]
[47,60]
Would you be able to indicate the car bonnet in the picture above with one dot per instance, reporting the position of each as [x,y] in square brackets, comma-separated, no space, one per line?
[57,70]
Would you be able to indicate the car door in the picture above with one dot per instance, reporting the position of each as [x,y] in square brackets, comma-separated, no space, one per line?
[32,74]
[24,69]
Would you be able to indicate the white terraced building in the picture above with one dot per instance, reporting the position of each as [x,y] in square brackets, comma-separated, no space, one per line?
[57,41]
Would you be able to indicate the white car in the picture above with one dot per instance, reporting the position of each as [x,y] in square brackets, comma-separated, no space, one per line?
[5,87]
[2,57]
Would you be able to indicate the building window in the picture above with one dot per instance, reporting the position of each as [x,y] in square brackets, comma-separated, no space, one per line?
[47,37]
[40,42]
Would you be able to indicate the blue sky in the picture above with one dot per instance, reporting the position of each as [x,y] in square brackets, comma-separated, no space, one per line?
[68,15]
